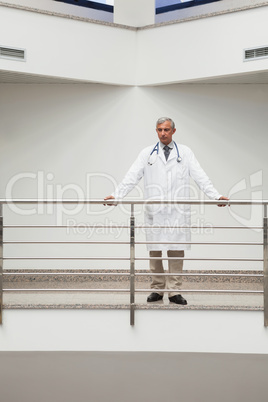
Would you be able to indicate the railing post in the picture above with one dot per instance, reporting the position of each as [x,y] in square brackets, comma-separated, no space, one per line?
[1,262]
[132,266]
[265,264]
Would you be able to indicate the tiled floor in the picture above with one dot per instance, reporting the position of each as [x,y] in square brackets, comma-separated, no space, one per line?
[120,300]
[107,300]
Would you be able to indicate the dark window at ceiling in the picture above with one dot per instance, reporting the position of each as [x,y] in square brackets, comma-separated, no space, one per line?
[164,6]
[96,5]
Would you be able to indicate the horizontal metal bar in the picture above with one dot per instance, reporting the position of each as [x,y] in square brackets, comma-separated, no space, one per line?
[127,258]
[199,275]
[197,259]
[125,227]
[135,202]
[65,242]
[68,290]
[66,226]
[137,242]
[200,291]
[35,226]
[226,243]
[68,258]
[67,273]
[149,273]
[137,290]
[197,227]
[230,227]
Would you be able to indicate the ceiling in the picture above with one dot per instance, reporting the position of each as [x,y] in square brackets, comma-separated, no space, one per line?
[9,77]
[260,77]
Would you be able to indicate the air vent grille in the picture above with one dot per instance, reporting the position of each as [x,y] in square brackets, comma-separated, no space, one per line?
[12,53]
[257,53]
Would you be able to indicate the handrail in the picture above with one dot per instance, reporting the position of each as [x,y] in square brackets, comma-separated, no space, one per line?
[128,201]
[132,243]
[128,274]
[125,227]
[225,243]
[137,290]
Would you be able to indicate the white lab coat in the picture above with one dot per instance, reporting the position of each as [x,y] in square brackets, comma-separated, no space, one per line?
[167,180]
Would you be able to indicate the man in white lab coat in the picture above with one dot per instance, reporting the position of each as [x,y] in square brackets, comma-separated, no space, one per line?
[166,168]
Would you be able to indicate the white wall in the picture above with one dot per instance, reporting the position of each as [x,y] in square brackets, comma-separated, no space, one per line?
[109,330]
[72,132]
[67,48]
[202,48]
[136,13]
[208,47]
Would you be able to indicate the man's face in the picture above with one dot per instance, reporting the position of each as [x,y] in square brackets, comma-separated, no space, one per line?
[165,132]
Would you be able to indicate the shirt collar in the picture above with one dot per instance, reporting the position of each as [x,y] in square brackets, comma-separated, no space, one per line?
[170,145]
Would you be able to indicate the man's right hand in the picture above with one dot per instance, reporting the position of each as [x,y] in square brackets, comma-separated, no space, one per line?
[110,197]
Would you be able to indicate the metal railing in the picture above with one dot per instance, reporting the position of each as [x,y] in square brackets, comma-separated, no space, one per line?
[132,246]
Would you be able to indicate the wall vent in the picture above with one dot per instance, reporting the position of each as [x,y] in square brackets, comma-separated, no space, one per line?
[12,53]
[256,53]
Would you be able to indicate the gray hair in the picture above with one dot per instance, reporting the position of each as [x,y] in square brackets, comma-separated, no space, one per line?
[163,119]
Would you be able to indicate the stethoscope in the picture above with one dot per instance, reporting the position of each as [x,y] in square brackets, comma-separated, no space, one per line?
[154,154]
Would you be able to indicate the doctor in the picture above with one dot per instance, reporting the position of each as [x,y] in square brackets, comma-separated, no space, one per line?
[166,168]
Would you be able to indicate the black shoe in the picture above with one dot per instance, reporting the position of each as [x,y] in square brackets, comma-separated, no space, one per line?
[153,297]
[178,299]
